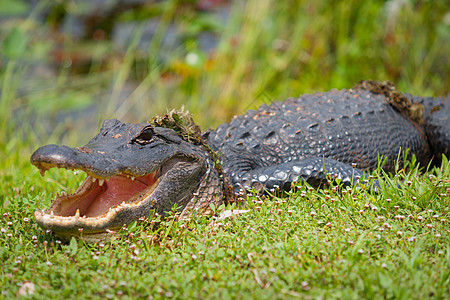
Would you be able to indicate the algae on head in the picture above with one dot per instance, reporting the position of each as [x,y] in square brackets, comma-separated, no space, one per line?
[181,122]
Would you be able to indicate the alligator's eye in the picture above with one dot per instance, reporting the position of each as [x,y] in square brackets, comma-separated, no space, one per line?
[145,136]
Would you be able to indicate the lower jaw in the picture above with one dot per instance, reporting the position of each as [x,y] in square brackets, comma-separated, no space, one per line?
[66,232]
[91,229]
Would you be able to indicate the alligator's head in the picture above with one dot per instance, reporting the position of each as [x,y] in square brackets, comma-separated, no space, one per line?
[132,169]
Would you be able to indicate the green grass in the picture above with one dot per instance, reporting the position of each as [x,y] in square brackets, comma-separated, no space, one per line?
[335,245]
[314,243]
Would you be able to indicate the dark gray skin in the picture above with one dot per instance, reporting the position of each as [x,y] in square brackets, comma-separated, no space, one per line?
[310,138]
[437,124]
[303,137]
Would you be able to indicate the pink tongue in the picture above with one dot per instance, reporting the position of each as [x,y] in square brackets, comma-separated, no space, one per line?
[116,190]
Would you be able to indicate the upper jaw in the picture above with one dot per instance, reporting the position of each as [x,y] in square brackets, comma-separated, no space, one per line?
[94,162]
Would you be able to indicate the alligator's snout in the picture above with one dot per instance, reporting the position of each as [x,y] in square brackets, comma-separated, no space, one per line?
[84,158]
[53,155]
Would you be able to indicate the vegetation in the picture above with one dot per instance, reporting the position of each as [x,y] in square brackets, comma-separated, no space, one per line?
[57,85]
[313,243]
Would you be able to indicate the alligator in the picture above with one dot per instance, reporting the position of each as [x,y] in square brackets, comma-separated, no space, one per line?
[167,164]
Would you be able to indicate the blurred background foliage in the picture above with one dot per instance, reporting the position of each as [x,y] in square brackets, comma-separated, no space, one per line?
[67,65]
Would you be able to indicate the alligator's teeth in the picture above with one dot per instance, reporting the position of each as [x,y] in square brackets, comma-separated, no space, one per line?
[94,179]
[42,172]
[101,181]
[52,214]
[132,178]
[63,193]
[123,203]
[84,217]
[77,214]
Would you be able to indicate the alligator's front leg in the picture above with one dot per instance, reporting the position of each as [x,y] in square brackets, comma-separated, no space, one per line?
[316,171]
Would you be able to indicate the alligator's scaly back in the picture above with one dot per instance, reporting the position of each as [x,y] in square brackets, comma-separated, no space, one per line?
[135,169]
[315,135]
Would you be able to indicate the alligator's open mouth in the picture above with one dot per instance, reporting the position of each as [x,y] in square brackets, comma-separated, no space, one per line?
[96,203]
[101,206]
[96,197]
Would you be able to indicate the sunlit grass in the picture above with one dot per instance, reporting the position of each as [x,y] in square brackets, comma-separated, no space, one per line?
[331,242]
